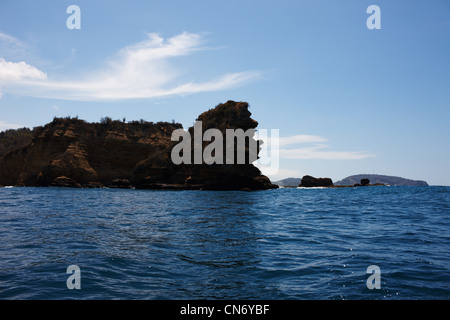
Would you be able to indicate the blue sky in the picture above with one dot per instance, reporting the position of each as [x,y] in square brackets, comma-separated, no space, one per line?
[346,99]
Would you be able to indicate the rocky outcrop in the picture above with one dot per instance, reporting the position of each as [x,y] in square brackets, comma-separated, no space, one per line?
[73,153]
[365,182]
[310,182]
[121,184]
[65,182]
[160,172]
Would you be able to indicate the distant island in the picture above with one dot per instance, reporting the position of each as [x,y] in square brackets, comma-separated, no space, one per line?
[70,152]
[380,179]
[374,179]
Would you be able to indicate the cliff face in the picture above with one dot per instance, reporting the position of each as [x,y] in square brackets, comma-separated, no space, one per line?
[90,154]
[160,172]
[14,139]
[73,153]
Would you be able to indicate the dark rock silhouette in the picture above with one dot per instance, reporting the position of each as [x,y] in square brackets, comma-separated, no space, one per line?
[13,139]
[65,182]
[73,153]
[160,172]
[365,182]
[91,154]
[121,184]
[309,182]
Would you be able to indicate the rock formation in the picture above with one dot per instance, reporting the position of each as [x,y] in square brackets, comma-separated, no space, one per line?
[73,153]
[162,173]
[309,182]
[365,182]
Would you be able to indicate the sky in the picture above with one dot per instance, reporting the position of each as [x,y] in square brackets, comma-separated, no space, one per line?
[346,99]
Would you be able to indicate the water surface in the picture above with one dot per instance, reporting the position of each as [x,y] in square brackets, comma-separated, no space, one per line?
[276,244]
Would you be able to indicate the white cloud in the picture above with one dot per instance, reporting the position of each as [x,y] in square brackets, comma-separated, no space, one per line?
[142,70]
[301,138]
[275,150]
[292,140]
[313,148]
[10,44]
[11,72]
[317,152]
[5,126]
[7,38]
[13,47]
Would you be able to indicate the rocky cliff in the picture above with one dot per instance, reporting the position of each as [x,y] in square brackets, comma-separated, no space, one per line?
[88,154]
[14,139]
[74,153]
[160,172]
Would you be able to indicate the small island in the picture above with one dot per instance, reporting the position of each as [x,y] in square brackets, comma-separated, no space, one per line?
[360,180]
[311,182]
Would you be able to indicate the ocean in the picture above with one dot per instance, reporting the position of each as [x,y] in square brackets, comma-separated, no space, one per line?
[284,244]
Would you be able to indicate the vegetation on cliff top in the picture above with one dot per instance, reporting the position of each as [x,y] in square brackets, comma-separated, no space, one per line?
[13,139]
[72,152]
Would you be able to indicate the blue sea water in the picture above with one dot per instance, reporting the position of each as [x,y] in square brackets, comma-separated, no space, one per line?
[275,244]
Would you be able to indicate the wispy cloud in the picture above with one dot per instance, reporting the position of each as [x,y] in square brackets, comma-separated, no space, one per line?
[301,138]
[5,126]
[9,42]
[312,147]
[320,152]
[8,38]
[141,70]
[13,47]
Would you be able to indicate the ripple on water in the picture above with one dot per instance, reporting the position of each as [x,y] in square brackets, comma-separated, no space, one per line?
[277,244]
